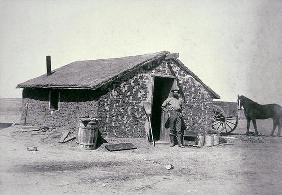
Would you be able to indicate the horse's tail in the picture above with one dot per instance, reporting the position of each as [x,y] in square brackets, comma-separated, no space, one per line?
[280,113]
[280,117]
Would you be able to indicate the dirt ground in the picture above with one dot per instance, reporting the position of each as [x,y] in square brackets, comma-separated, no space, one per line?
[248,165]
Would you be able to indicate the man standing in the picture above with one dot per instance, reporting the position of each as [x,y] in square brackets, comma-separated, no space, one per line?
[174,105]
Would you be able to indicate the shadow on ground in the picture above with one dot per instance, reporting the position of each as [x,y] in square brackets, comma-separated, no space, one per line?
[63,166]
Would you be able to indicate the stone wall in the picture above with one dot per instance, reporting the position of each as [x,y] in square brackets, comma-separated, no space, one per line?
[120,106]
[121,109]
[198,102]
[198,109]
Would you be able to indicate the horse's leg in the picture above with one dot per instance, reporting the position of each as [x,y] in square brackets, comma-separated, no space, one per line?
[274,127]
[279,127]
[248,126]
[255,126]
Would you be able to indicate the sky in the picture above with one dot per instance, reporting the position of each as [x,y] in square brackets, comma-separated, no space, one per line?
[233,46]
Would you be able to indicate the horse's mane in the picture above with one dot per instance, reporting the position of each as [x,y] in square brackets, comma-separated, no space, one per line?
[248,100]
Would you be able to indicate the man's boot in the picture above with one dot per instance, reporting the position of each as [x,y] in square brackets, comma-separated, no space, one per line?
[179,140]
[171,140]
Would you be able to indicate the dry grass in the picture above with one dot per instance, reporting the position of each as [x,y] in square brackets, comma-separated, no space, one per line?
[90,73]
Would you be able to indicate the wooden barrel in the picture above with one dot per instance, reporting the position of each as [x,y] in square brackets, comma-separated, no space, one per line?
[215,139]
[208,140]
[87,134]
[200,140]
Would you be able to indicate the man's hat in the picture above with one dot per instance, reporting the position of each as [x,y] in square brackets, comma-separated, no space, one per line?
[174,87]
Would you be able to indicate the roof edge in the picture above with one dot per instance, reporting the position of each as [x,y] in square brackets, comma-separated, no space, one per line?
[216,96]
[162,54]
[159,55]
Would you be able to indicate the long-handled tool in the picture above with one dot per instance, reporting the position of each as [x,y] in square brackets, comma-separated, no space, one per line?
[147,107]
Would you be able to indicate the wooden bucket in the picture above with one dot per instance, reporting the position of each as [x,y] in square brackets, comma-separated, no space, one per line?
[88,134]
[209,140]
[200,140]
[215,139]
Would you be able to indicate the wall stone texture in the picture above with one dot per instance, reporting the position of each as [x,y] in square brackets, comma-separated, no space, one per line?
[197,112]
[198,102]
[121,110]
[120,106]
[122,113]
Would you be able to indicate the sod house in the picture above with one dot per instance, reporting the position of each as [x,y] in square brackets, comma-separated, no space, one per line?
[114,91]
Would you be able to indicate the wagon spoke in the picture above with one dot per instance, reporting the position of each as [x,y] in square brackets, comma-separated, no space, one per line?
[223,123]
[219,126]
[230,122]
[228,126]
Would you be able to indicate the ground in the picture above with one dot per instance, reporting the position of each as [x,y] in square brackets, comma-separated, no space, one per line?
[249,165]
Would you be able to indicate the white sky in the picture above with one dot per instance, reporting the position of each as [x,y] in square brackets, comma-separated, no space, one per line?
[235,47]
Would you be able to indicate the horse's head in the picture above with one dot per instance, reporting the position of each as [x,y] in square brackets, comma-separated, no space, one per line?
[240,101]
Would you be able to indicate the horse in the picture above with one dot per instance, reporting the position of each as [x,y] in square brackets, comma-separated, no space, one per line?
[253,111]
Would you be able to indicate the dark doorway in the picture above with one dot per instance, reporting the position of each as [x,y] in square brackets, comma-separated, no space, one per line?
[162,86]
[54,99]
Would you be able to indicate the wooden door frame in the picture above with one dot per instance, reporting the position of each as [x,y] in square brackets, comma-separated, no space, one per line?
[152,96]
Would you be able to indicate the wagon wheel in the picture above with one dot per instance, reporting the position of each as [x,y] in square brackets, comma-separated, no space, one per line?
[222,123]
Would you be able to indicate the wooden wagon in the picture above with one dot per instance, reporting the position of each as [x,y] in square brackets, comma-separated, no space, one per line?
[225,116]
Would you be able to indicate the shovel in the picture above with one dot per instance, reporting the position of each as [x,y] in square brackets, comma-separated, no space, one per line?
[147,107]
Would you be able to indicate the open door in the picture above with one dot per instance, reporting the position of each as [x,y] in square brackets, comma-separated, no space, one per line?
[162,87]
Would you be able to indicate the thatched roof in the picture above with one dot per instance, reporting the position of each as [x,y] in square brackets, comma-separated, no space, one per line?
[91,74]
